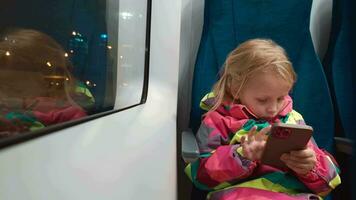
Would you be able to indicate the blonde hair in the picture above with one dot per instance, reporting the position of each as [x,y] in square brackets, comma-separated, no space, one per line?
[26,51]
[255,55]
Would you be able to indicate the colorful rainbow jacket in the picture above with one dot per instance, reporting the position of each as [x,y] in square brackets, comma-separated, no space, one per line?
[222,169]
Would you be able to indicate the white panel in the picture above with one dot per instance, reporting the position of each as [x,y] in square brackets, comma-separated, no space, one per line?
[131,52]
[191,30]
[320,24]
[127,155]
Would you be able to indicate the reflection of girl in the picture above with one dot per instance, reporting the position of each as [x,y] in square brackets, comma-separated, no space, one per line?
[36,87]
[252,94]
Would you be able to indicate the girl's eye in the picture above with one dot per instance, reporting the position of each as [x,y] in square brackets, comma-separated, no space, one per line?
[262,100]
[280,99]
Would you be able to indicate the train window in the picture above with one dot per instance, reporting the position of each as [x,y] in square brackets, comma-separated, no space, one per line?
[68,61]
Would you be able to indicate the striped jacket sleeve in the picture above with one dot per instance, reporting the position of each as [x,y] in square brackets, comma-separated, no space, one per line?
[220,163]
[325,175]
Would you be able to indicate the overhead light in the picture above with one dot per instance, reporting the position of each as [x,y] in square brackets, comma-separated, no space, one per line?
[48,64]
[126,15]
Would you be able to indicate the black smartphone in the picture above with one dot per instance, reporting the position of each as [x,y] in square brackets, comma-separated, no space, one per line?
[284,138]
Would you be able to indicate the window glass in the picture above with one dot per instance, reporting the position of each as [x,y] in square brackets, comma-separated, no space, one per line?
[131,51]
[63,60]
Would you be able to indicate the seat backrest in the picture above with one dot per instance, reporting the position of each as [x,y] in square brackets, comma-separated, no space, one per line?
[340,68]
[339,63]
[231,22]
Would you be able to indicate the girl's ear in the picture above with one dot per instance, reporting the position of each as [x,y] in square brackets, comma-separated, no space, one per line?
[233,88]
[234,93]
[236,98]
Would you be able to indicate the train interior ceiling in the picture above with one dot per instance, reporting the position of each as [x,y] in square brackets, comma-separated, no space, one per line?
[95,95]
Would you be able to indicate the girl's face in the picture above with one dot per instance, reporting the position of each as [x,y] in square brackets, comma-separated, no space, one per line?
[264,94]
[20,84]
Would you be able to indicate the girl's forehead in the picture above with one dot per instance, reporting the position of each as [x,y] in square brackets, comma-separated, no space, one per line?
[266,76]
[268,82]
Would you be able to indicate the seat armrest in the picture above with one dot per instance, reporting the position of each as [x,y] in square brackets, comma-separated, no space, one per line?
[190,150]
[343,145]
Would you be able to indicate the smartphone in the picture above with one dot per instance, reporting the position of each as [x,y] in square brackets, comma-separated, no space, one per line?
[284,138]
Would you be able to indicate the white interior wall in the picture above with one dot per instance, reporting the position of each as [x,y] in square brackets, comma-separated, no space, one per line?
[192,18]
[320,24]
[127,155]
[191,28]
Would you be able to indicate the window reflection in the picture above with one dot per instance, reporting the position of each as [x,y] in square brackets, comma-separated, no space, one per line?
[87,49]
[37,87]
[91,59]
[53,63]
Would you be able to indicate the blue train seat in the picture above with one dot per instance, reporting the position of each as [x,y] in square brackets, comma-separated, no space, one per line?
[339,66]
[339,63]
[231,22]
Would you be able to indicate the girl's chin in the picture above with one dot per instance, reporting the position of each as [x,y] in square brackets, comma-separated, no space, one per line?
[268,118]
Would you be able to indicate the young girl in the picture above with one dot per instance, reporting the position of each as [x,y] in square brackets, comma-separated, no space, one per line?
[252,94]
[36,87]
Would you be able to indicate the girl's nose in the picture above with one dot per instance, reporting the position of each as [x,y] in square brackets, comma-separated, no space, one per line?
[272,109]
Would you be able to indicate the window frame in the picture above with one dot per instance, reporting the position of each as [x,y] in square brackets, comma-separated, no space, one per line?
[6,142]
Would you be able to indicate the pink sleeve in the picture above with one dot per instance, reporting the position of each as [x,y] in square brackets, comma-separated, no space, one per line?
[220,161]
[59,115]
[225,164]
[325,175]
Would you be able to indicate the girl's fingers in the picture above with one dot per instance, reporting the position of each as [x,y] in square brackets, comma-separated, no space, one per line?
[299,168]
[243,140]
[246,152]
[259,136]
[305,153]
[265,130]
[253,143]
[295,165]
[262,134]
[253,129]
[251,134]
[259,150]
[251,137]
[307,161]
[303,156]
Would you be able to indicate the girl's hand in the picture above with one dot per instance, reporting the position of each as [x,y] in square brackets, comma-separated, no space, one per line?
[254,144]
[301,162]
